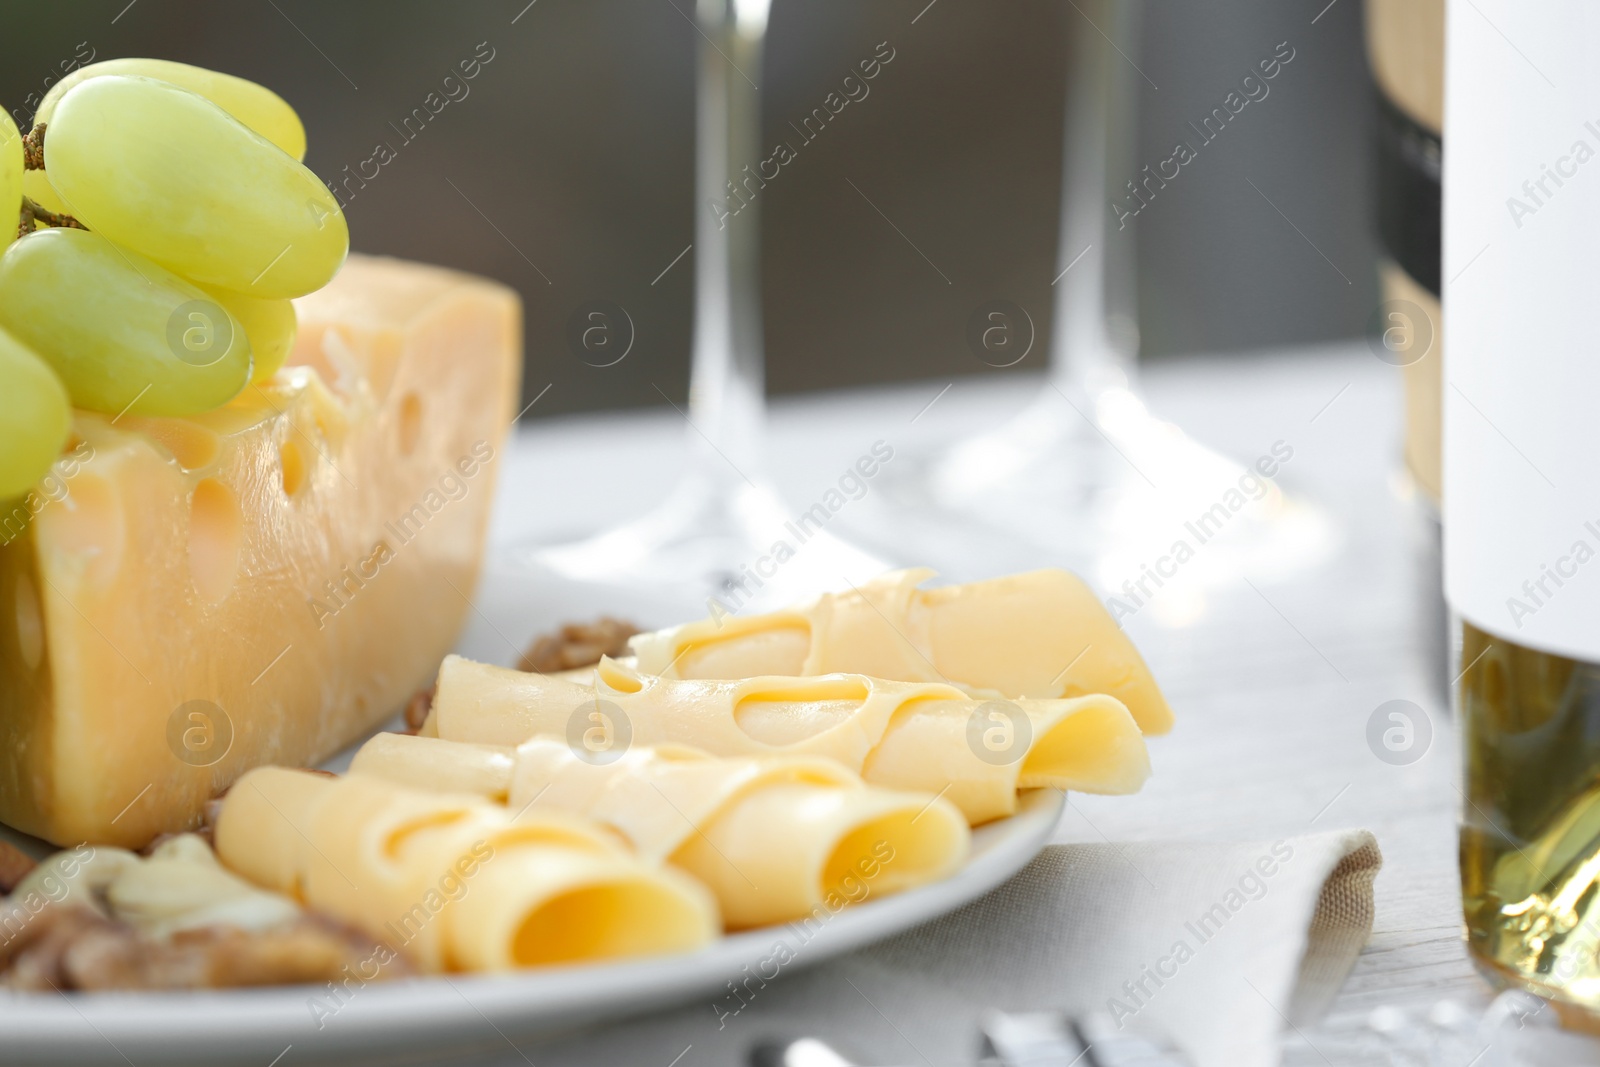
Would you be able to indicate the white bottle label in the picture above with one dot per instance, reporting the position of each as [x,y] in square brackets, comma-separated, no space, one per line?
[1522,320]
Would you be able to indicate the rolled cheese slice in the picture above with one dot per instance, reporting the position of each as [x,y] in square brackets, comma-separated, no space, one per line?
[773,837]
[1042,634]
[452,880]
[927,737]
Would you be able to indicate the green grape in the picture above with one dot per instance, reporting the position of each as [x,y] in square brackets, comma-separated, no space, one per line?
[122,332]
[270,325]
[10,179]
[36,187]
[258,107]
[167,173]
[34,417]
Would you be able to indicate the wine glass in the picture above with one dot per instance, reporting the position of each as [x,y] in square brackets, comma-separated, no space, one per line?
[714,535]
[1086,475]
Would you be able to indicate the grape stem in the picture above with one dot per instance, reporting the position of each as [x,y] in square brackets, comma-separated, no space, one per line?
[33,148]
[33,213]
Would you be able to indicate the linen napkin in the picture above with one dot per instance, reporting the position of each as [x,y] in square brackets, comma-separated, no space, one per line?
[1217,947]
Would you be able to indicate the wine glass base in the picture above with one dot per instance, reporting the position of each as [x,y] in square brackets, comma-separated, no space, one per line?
[706,549]
[1148,515]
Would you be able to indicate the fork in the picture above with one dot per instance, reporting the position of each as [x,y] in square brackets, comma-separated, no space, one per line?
[1033,1039]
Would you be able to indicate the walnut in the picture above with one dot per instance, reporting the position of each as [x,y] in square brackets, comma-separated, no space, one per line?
[219,957]
[14,864]
[112,956]
[74,947]
[176,919]
[32,957]
[417,710]
[578,645]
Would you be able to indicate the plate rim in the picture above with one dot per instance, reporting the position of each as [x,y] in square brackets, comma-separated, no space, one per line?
[431,1010]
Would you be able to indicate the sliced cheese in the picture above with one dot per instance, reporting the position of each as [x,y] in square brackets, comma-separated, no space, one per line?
[263,583]
[1042,634]
[432,763]
[919,736]
[454,881]
[773,837]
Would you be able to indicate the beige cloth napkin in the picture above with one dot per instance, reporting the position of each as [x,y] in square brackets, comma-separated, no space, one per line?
[1218,947]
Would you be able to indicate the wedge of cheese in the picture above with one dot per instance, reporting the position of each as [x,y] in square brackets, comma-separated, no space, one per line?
[927,737]
[260,584]
[773,837]
[1042,634]
[455,882]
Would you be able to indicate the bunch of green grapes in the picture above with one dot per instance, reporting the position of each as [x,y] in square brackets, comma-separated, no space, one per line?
[163,223]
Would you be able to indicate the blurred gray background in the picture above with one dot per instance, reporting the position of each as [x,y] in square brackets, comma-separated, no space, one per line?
[566,168]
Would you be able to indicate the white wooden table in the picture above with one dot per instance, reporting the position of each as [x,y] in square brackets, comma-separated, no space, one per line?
[1274,681]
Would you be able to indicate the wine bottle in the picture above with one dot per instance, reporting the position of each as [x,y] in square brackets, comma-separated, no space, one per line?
[1405,52]
[1522,484]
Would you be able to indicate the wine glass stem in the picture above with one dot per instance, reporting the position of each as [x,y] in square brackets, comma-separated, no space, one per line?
[726,401]
[1095,339]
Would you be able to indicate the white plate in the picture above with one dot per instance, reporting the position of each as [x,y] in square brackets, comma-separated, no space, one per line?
[437,1016]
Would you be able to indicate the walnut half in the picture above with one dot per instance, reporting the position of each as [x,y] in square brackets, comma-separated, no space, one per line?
[14,866]
[74,947]
[578,645]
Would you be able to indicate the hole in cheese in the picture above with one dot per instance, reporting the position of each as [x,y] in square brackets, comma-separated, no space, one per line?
[410,423]
[780,651]
[294,467]
[403,834]
[605,921]
[790,715]
[537,833]
[216,535]
[30,623]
